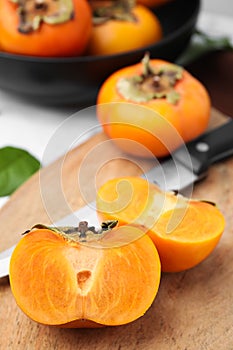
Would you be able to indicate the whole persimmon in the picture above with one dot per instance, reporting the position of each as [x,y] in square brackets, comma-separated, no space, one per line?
[184,231]
[82,277]
[155,103]
[45,27]
[122,26]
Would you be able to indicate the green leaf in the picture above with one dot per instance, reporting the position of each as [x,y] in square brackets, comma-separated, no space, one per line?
[16,166]
[201,44]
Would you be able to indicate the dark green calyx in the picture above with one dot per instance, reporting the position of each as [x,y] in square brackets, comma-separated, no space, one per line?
[33,12]
[153,83]
[81,233]
[209,202]
[120,10]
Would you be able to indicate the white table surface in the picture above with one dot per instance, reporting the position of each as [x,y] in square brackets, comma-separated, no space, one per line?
[33,127]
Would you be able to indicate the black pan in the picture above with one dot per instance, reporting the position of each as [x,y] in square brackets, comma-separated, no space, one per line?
[77,79]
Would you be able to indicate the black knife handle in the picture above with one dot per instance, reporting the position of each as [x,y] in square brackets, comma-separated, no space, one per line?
[209,148]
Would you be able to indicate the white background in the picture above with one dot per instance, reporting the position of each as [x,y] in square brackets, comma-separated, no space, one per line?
[218,6]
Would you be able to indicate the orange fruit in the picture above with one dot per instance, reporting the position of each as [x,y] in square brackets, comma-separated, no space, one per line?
[59,279]
[184,231]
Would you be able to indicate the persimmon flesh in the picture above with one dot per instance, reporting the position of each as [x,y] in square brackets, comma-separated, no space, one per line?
[198,232]
[57,280]
[184,231]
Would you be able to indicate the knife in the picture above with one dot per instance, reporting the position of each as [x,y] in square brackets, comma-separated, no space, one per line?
[187,165]
[190,163]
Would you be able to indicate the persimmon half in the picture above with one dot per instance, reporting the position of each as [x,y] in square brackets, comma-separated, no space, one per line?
[80,277]
[155,103]
[184,231]
[45,27]
[121,27]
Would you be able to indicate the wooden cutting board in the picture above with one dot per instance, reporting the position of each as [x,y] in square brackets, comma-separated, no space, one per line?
[193,309]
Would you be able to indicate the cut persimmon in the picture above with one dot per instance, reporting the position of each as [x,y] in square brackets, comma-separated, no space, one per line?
[184,231]
[185,238]
[80,277]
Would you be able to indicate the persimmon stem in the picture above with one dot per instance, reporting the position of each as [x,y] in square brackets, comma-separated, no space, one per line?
[79,233]
[40,5]
[82,228]
[147,70]
[33,12]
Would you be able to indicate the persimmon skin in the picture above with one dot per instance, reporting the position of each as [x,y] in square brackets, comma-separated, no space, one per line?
[189,116]
[117,36]
[185,232]
[45,279]
[64,39]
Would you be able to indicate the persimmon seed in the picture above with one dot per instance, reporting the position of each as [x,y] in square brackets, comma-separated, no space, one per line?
[82,278]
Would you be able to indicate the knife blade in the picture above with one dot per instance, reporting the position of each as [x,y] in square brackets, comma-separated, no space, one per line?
[187,165]
[5,257]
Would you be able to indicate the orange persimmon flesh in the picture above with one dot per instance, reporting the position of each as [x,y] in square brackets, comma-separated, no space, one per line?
[57,281]
[184,231]
[192,240]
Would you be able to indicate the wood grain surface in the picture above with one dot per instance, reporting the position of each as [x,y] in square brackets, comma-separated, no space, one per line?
[193,309]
